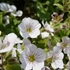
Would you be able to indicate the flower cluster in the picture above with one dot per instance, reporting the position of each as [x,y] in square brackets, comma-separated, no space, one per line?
[38,45]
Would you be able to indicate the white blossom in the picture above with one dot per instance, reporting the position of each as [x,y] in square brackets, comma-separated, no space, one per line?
[29,28]
[8,42]
[32,58]
[57,57]
[44,34]
[65,45]
[47,27]
[20,47]
[10,8]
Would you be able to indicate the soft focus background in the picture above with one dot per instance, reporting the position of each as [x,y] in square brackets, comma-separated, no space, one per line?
[37,9]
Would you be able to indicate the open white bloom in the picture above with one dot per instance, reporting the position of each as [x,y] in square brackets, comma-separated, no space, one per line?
[32,58]
[29,28]
[10,8]
[57,57]
[65,45]
[8,42]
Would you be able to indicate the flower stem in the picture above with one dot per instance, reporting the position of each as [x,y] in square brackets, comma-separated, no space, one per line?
[2,68]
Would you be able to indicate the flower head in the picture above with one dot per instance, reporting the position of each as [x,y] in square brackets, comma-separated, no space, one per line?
[10,8]
[32,58]
[8,42]
[57,57]
[29,28]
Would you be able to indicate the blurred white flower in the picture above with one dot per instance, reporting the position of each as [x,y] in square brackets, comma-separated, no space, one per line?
[44,34]
[57,57]
[6,20]
[20,47]
[32,58]
[48,27]
[18,13]
[65,45]
[29,28]
[10,8]
[8,42]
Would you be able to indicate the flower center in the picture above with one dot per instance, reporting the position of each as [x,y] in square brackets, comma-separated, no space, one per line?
[31,58]
[64,45]
[28,30]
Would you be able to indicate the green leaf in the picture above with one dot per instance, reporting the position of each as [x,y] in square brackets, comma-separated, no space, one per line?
[59,6]
[14,66]
[55,1]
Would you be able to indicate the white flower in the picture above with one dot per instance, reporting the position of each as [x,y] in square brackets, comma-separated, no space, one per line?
[65,41]
[4,7]
[29,28]
[8,42]
[20,47]
[18,13]
[47,27]
[6,20]
[32,58]
[44,34]
[65,45]
[67,51]
[10,8]
[57,57]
